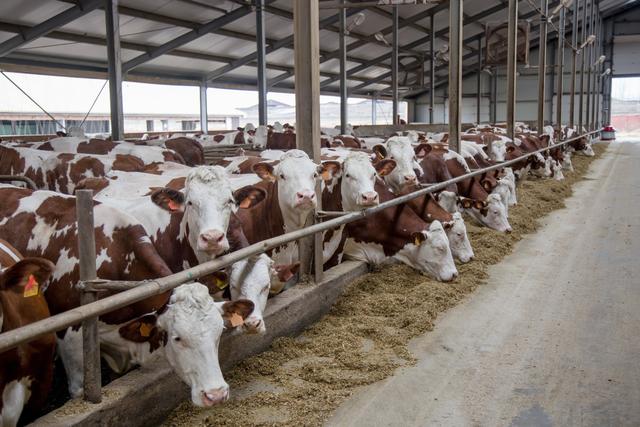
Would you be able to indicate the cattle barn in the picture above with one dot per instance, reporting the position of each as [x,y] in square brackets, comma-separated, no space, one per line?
[439,228]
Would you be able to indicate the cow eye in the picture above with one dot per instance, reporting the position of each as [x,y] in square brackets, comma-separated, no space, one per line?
[281,176]
[315,174]
[190,203]
[177,339]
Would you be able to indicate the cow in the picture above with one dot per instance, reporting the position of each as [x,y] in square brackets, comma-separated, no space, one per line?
[26,372]
[185,322]
[62,171]
[399,233]
[188,148]
[81,145]
[404,174]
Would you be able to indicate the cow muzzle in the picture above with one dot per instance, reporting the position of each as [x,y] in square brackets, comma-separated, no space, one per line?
[370,198]
[212,242]
[254,325]
[306,199]
[215,396]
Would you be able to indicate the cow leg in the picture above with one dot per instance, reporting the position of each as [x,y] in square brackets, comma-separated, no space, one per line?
[14,396]
[70,351]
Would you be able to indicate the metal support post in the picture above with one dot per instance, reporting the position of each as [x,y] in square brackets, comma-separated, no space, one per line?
[493,97]
[479,82]
[115,69]
[551,82]
[455,73]
[542,63]
[560,86]
[374,109]
[596,72]
[204,116]
[574,61]
[512,61]
[306,17]
[587,117]
[432,67]
[262,63]
[394,65]
[343,71]
[90,337]
[583,65]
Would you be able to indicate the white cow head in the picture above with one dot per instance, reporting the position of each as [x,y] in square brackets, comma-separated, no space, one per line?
[251,280]
[359,179]
[497,150]
[400,150]
[458,240]
[490,213]
[190,328]
[260,136]
[567,164]
[556,170]
[503,190]
[448,200]
[207,202]
[277,127]
[430,254]
[296,176]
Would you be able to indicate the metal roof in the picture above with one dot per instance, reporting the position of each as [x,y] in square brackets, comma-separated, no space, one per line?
[224,49]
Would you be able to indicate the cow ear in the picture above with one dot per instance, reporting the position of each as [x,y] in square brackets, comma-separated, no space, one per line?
[168,199]
[329,169]
[419,237]
[264,171]
[447,225]
[215,282]
[140,330]
[422,150]
[486,184]
[235,312]
[479,204]
[510,148]
[249,196]
[385,167]
[26,276]
[465,203]
[380,151]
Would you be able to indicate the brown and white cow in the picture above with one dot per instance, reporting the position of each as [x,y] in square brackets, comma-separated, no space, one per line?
[185,322]
[188,148]
[62,171]
[26,372]
[83,145]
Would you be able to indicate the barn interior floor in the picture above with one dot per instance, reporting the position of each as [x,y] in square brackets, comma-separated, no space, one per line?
[551,340]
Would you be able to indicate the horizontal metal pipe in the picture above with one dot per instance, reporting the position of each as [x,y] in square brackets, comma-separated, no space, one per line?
[151,288]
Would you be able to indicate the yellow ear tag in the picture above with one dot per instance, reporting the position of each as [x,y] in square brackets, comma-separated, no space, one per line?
[416,241]
[31,288]
[145,330]
[236,319]
[220,284]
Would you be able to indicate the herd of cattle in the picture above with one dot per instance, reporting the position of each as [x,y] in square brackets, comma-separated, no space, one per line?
[158,209]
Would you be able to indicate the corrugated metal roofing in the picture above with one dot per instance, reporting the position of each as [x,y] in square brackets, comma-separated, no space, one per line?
[78,47]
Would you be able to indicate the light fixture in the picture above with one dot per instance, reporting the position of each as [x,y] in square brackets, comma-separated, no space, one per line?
[606,72]
[357,20]
[563,3]
[381,38]
[588,41]
[487,70]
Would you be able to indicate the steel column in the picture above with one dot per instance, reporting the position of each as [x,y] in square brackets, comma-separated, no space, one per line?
[432,67]
[560,86]
[307,65]
[204,117]
[583,65]
[512,61]
[394,65]
[262,63]
[90,337]
[551,84]
[542,62]
[374,110]
[587,117]
[455,73]
[493,97]
[596,70]
[479,82]
[344,113]
[115,69]
[574,60]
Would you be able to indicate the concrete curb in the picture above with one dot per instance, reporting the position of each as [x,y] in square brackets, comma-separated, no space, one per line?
[147,395]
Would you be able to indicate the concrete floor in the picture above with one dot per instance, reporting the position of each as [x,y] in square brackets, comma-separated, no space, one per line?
[554,339]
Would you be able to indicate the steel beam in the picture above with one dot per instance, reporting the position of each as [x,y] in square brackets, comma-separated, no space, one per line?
[493,97]
[479,82]
[262,63]
[114,57]
[432,66]
[374,109]
[343,71]
[560,91]
[589,56]
[394,66]
[542,62]
[81,8]
[511,67]
[455,73]
[596,69]
[574,62]
[204,117]
[552,78]
[307,66]
[188,37]
[583,65]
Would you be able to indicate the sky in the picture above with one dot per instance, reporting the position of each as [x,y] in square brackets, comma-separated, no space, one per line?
[67,94]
